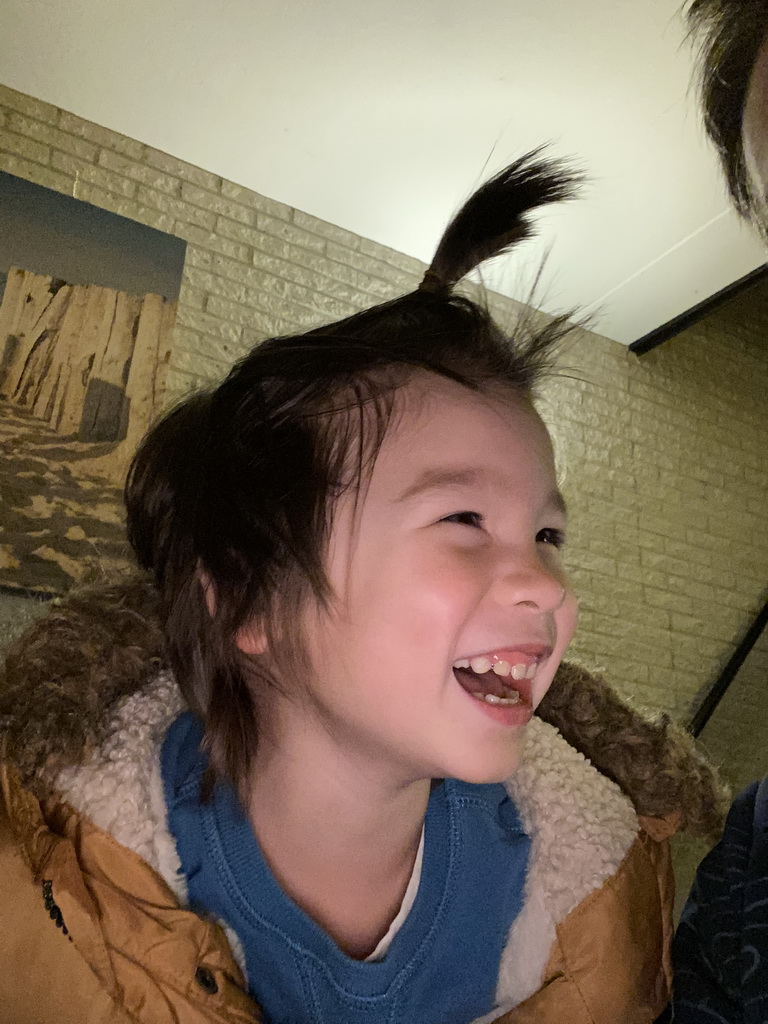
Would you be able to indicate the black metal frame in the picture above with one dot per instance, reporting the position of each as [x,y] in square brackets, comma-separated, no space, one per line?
[679,323]
[715,694]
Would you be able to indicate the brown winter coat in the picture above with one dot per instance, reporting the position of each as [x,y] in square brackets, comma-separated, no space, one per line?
[93,933]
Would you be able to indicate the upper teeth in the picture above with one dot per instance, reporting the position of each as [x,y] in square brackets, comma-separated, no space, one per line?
[500,668]
[481,665]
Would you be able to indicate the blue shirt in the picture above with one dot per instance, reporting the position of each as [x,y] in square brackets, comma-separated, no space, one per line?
[442,965]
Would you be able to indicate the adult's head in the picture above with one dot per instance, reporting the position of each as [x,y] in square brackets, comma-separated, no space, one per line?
[733,67]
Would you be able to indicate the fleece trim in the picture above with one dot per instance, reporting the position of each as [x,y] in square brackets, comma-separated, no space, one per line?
[580,823]
[120,788]
[582,827]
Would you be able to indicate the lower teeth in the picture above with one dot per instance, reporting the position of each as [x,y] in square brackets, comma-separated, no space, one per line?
[491,698]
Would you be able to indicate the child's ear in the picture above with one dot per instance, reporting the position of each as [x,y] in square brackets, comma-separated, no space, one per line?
[209,591]
[250,639]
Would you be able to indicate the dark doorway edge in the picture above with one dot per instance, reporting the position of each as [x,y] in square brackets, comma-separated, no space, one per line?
[679,323]
[713,697]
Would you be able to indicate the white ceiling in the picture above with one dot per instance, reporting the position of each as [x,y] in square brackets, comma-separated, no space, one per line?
[381,116]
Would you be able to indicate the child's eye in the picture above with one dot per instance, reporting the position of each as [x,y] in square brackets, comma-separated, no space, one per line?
[551,535]
[464,519]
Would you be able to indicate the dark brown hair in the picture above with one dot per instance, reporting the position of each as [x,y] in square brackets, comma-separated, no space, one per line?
[730,34]
[237,485]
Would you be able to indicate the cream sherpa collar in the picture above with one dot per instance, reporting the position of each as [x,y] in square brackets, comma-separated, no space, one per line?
[581,824]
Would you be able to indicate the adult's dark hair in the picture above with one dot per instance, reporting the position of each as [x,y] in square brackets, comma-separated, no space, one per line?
[230,498]
[730,34]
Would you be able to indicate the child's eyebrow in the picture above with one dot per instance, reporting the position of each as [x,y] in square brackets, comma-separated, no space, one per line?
[438,478]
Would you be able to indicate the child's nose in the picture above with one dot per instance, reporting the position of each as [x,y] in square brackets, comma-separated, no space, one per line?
[533,584]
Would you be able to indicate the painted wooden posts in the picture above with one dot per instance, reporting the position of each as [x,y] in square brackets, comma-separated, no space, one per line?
[89,361]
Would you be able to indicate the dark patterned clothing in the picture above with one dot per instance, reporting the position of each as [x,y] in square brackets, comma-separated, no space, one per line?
[720,952]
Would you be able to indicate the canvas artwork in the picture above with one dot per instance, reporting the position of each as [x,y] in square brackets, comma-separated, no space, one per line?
[86,324]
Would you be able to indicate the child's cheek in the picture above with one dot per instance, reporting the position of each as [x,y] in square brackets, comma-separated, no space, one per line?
[453,575]
[442,588]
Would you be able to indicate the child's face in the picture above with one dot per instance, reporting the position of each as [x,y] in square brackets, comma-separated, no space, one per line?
[450,557]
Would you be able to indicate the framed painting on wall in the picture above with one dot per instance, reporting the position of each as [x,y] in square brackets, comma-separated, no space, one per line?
[87,308]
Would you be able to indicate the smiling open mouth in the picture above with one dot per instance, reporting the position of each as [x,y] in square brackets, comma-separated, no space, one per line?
[495,680]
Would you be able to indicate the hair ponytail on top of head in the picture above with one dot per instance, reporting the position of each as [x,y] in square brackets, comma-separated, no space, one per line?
[231,497]
[496,217]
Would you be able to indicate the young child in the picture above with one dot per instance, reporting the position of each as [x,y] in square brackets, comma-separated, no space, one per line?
[297,778]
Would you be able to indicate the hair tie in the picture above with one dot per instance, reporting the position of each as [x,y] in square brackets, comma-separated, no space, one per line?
[433,284]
